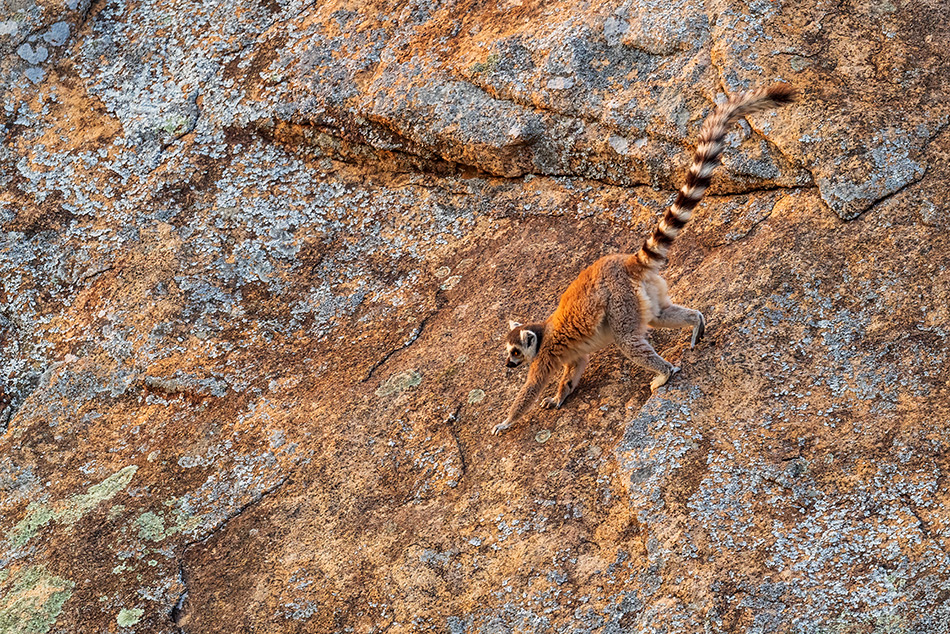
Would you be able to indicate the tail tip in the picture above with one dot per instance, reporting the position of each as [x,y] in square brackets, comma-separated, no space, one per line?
[782,93]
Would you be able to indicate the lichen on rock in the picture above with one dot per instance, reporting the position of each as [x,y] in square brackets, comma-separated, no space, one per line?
[256,266]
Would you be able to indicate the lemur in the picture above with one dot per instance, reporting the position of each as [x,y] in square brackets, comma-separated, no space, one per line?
[619,296]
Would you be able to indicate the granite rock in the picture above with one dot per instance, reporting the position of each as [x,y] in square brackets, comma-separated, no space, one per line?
[256,265]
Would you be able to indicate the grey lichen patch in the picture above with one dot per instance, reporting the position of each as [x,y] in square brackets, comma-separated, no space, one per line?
[399,383]
[31,600]
[856,184]
[128,617]
[71,510]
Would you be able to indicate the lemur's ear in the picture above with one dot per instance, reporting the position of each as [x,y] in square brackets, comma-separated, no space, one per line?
[528,338]
[512,324]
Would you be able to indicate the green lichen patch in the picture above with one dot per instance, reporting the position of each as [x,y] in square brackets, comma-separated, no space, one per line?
[174,125]
[128,617]
[488,66]
[79,505]
[31,600]
[71,510]
[38,515]
[151,527]
[399,383]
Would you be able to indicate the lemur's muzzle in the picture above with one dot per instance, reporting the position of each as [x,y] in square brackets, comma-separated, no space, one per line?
[511,364]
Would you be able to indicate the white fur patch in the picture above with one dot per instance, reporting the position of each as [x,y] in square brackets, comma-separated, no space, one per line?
[695,194]
[655,246]
[667,230]
[707,169]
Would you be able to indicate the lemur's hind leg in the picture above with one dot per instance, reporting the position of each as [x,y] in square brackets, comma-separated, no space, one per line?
[638,350]
[569,380]
[627,322]
[675,316]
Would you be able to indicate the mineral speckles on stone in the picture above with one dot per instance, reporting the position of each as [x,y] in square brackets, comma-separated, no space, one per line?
[892,169]
[656,27]
[201,201]
[822,533]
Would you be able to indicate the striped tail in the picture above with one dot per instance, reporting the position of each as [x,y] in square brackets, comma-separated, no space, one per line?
[708,150]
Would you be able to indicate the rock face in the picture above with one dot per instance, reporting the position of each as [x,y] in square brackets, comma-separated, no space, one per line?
[257,262]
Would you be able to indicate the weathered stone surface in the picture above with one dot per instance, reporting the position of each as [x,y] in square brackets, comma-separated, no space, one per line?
[256,264]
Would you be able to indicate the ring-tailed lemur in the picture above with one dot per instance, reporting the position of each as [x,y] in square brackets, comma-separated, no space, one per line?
[615,299]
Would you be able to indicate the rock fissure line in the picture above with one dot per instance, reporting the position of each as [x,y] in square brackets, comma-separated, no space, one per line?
[17,399]
[451,420]
[413,336]
[454,168]
[499,94]
[175,613]
[9,410]
[755,225]
[886,197]
[883,199]
[924,526]
[265,493]
[91,276]
[752,228]
[313,149]
[86,15]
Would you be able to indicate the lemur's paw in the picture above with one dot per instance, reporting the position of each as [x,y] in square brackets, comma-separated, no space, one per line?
[698,331]
[551,403]
[660,379]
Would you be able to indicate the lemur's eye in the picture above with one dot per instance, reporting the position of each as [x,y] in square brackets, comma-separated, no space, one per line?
[516,353]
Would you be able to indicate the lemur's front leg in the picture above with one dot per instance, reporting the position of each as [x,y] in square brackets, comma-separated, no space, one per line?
[538,377]
[569,381]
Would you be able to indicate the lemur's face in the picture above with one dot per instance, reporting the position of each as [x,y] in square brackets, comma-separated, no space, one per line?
[522,345]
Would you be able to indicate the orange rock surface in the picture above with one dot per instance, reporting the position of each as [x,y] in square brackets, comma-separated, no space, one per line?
[257,262]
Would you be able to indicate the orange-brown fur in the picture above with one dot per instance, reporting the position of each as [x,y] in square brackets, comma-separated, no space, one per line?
[618,297]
